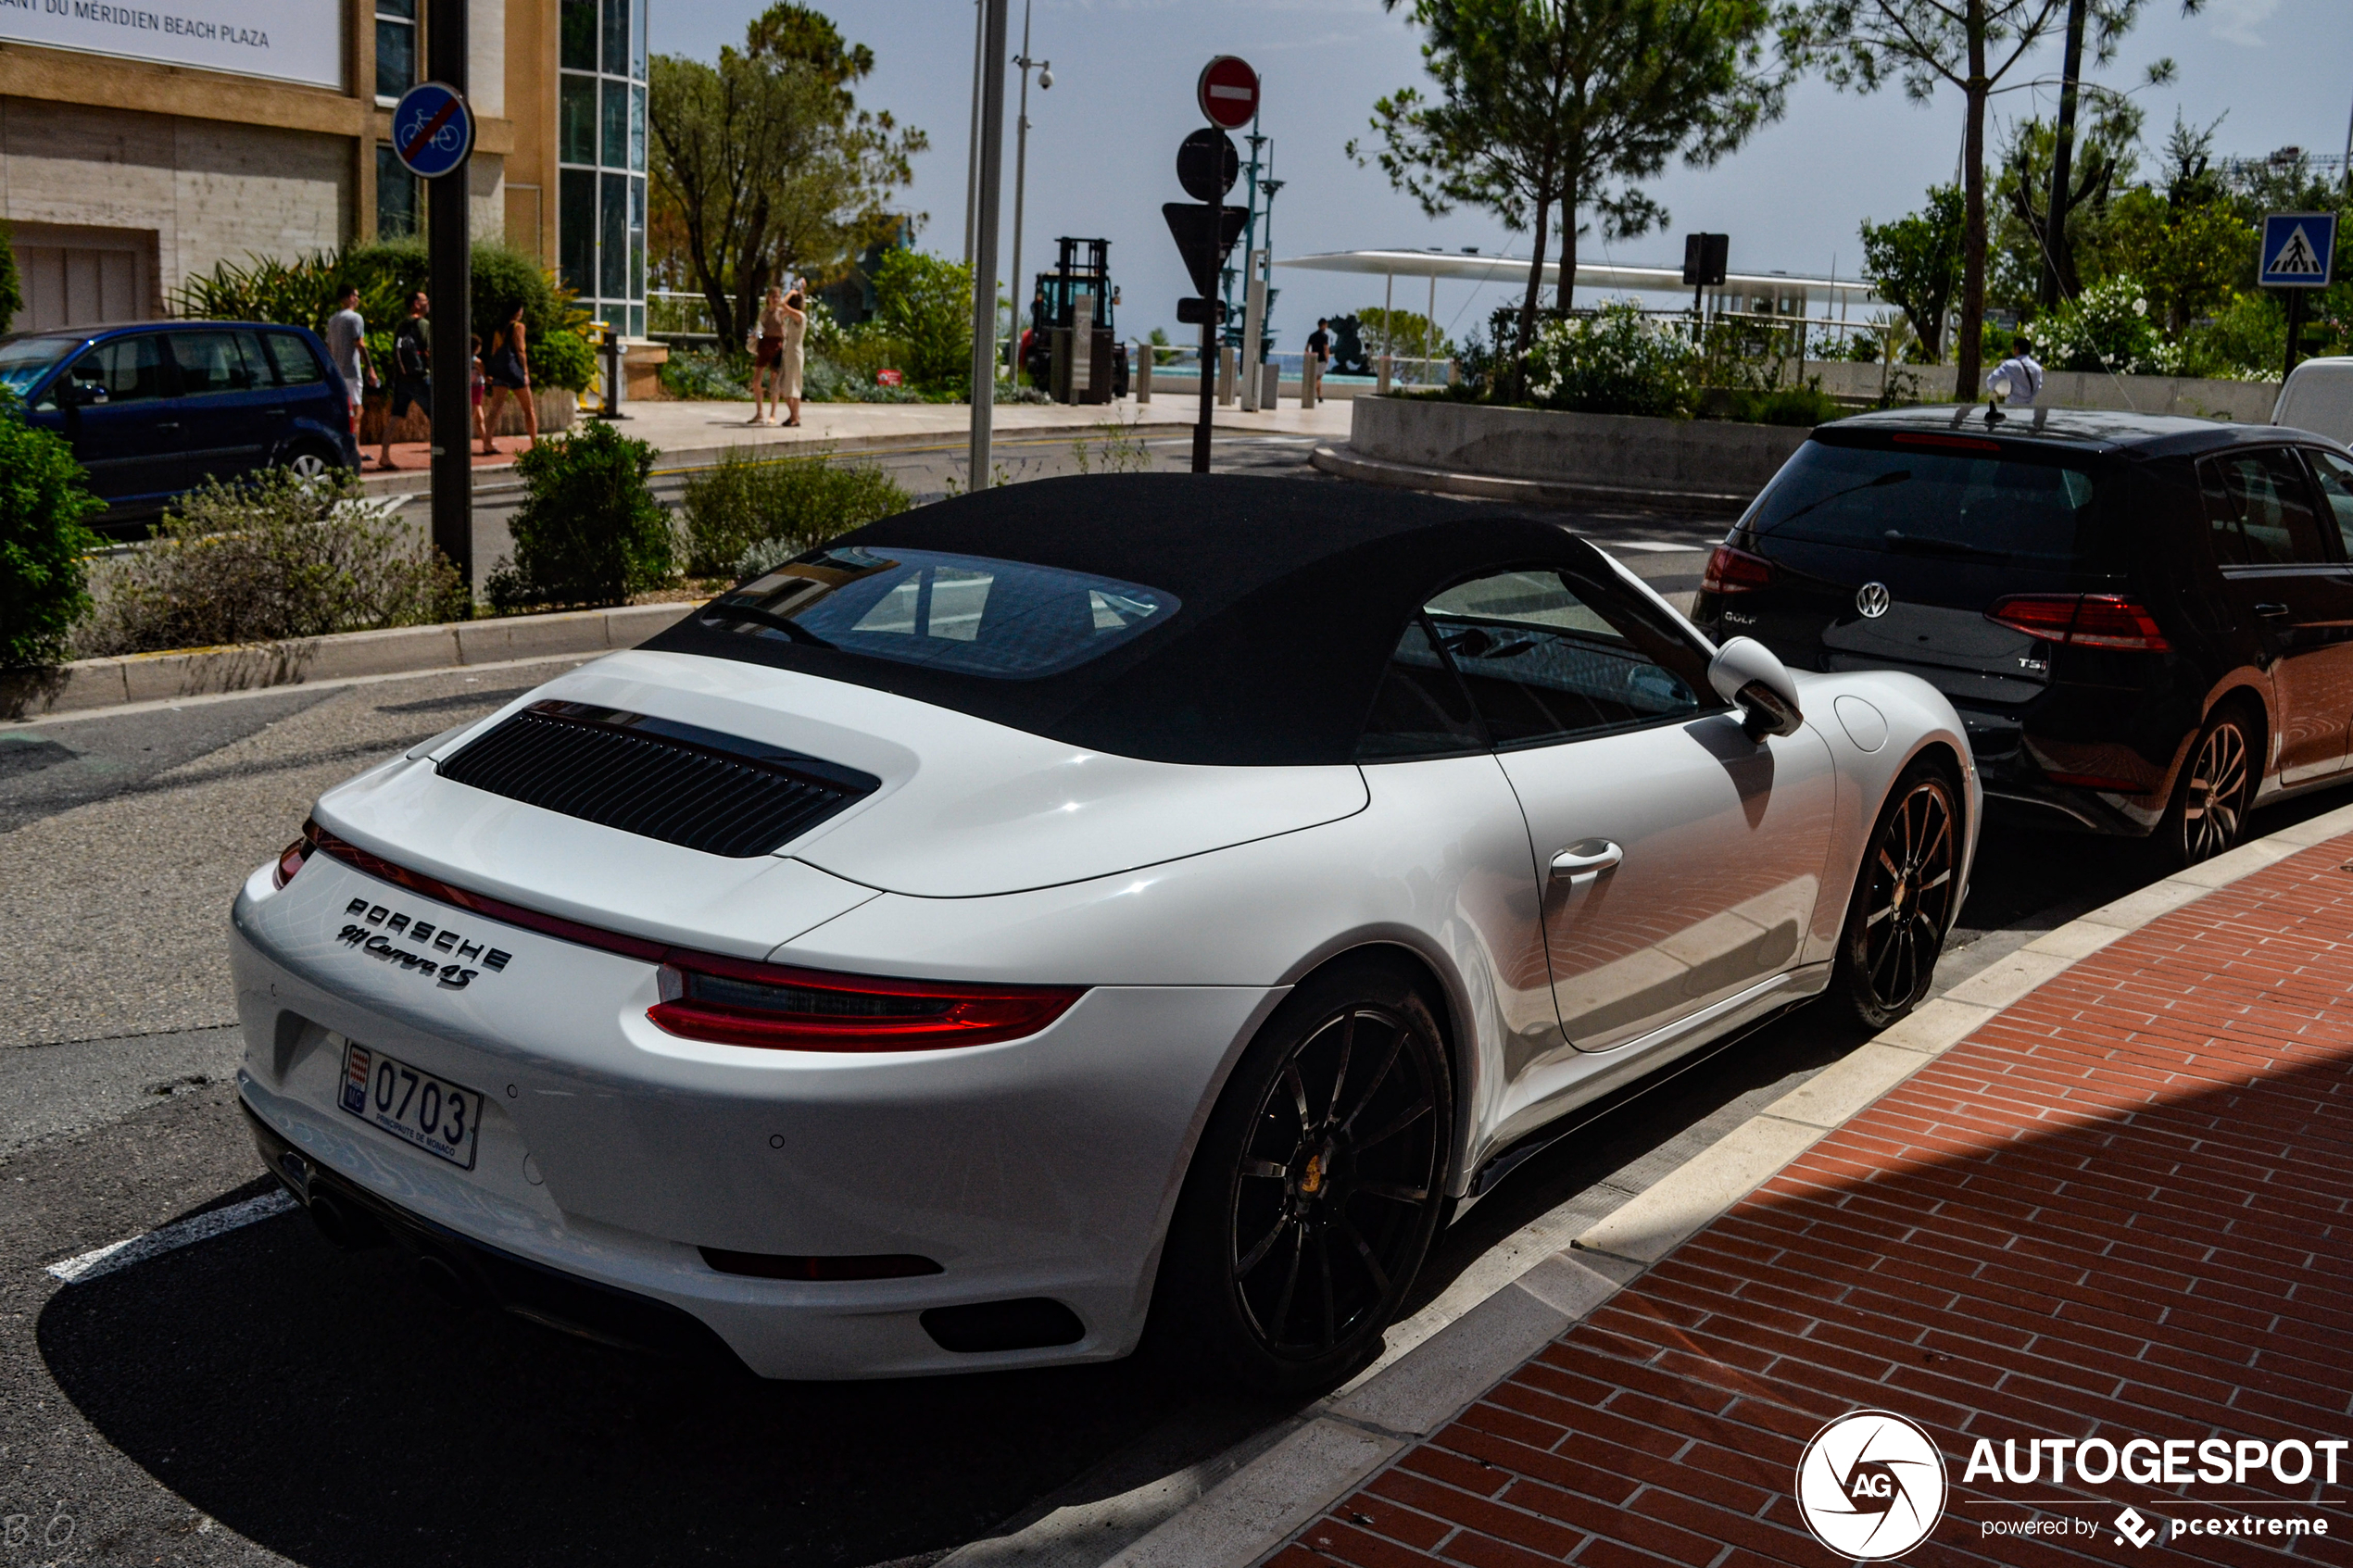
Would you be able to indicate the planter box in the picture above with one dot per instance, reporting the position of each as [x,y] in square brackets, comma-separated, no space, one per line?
[1702,459]
[558,408]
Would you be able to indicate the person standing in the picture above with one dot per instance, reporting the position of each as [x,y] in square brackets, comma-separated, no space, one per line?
[1319,353]
[2022,370]
[510,376]
[767,354]
[411,371]
[789,362]
[347,350]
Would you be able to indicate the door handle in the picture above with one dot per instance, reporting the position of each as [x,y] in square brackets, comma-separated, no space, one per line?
[1586,859]
[165,424]
[2272,612]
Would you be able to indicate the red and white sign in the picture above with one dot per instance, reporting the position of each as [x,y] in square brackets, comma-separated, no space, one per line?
[1227,92]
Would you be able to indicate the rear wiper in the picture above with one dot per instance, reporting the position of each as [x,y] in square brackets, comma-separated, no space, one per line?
[1892,476]
[719,609]
[1916,544]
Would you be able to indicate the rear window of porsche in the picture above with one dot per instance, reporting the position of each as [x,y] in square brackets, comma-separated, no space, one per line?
[973,615]
[1975,502]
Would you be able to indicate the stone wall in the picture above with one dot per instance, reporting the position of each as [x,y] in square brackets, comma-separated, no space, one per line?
[2245,402]
[1702,458]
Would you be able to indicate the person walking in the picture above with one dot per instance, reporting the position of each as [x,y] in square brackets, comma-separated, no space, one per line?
[509,368]
[411,371]
[347,351]
[2022,371]
[789,362]
[767,356]
[1319,353]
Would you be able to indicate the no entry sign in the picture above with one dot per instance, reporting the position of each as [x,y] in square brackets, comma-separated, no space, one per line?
[1229,92]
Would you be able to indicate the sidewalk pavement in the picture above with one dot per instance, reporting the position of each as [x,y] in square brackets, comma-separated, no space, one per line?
[2116,1209]
[699,430]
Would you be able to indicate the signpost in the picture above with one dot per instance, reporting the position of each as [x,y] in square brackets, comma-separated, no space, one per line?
[433,133]
[2298,255]
[1206,165]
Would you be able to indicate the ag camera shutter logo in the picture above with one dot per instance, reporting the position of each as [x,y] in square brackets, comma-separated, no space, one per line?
[1871,1486]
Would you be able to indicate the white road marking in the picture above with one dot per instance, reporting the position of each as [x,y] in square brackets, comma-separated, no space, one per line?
[170,1239]
[1647,545]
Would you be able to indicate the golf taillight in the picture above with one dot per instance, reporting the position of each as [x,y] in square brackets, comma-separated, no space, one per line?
[2100,621]
[738,1002]
[291,858]
[1734,571]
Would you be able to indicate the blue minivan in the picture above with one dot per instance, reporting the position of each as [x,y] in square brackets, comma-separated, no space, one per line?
[155,408]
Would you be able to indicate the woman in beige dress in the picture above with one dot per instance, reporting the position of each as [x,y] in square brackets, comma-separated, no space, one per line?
[776,361]
[788,363]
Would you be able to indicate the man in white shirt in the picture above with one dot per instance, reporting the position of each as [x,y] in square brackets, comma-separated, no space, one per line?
[347,349]
[2023,372]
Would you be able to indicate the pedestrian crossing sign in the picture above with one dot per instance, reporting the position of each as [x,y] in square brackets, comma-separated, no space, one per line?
[2299,249]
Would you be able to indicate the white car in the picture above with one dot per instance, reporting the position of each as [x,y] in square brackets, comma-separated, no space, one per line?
[1088,899]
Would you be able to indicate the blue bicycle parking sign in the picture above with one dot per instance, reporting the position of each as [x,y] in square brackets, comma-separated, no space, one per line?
[2299,249]
[432,129]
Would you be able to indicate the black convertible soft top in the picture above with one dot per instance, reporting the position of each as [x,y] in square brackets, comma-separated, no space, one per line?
[1292,596]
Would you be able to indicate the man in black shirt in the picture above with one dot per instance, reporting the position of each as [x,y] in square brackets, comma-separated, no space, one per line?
[411,368]
[1319,353]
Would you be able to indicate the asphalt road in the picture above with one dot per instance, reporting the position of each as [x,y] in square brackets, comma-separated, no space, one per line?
[258,1397]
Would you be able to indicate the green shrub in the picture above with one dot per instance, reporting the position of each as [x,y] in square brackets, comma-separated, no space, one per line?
[1615,361]
[796,503]
[589,530]
[269,557]
[1806,406]
[11,286]
[2107,327]
[925,303]
[708,374]
[43,584]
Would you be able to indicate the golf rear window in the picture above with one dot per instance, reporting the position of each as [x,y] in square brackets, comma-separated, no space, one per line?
[1967,504]
[972,615]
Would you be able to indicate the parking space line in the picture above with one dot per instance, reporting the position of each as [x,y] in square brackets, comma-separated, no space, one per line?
[170,1239]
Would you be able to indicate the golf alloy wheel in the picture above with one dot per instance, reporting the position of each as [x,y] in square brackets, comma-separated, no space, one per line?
[1338,1173]
[2214,795]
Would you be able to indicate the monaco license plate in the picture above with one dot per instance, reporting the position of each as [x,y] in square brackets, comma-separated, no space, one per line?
[412,1105]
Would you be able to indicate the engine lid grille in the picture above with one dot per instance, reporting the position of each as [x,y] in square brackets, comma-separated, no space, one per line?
[681,783]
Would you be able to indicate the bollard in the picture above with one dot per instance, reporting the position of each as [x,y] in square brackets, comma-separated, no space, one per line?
[1225,376]
[1142,375]
[1382,387]
[1270,381]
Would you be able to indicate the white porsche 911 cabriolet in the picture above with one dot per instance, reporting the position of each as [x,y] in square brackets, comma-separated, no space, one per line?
[1067,904]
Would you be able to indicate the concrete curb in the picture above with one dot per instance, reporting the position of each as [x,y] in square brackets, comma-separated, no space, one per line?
[1344,462]
[1536,1284]
[92,685]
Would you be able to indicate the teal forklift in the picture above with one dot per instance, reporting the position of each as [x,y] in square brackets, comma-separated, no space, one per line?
[1070,347]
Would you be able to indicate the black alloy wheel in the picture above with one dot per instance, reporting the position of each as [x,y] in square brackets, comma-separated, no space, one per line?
[1317,1185]
[2210,806]
[1903,902]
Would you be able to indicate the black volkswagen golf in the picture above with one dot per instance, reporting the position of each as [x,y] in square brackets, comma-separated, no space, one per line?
[2146,623]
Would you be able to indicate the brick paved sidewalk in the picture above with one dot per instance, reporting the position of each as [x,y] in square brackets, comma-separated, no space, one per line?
[2120,1209]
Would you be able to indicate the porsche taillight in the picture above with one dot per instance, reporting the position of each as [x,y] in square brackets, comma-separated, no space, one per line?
[737,1002]
[2100,621]
[291,859]
[1735,571]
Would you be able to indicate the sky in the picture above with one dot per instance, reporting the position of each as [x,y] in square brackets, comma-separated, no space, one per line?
[1102,141]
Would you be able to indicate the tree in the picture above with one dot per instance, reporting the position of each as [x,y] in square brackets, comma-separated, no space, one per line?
[767,163]
[1402,334]
[1914,263]
[1545,106]
[2038,253]
[926,302]
[1969,45]
[11,287]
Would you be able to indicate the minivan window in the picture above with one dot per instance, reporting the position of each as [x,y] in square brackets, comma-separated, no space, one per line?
[216,361]
[296,365]
[1962,506]
[26,359]
[2336,488]
[123,370]
[2259,508]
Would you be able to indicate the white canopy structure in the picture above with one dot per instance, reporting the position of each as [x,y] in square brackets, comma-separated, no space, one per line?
[1763,294]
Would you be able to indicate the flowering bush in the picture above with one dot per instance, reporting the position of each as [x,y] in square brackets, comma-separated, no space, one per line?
[1615,361]
[2107,327]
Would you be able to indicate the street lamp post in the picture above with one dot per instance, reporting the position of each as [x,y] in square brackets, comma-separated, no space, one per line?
[1021,168]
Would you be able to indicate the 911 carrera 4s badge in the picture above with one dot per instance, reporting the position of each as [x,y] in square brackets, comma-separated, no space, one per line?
[373,934]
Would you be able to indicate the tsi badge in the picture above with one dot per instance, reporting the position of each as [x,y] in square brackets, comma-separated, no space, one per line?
[1871,1486]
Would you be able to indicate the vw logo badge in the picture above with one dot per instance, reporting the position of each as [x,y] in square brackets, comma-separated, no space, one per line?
[1873,600]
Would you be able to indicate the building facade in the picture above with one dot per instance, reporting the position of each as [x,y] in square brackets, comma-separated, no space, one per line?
[142,143]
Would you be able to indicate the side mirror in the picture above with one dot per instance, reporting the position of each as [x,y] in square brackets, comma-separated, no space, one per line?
[1747,675]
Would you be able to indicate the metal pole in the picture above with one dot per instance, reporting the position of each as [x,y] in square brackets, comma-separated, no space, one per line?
[972,139]
[1388,332]
[1429,335]
[1021,175]
[2294,328]
[450,269]
[1209,335]
[991,182]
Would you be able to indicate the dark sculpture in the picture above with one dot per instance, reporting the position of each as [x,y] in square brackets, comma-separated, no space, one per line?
[1348,349]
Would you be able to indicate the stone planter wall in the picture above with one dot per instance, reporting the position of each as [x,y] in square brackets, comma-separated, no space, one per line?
[558,408]
[2244,402]
[1707,458]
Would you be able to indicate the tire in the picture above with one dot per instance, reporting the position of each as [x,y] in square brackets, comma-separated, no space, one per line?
[312,461]
[2207,813]
[1315,1189]
[1903,900]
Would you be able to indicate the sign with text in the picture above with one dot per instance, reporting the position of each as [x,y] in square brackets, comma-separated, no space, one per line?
[286,39]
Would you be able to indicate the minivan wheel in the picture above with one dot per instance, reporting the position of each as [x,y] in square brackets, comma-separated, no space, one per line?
[1317,1186]
[311,462]
[1903,902]
[2208,810]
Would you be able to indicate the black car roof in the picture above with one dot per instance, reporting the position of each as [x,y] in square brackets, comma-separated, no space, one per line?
[1293,594]
[2096,430]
